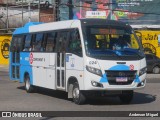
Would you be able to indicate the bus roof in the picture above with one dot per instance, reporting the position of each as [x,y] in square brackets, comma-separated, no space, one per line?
[97,21]
[25,29]
[54,25]
[39,27]
[104,23]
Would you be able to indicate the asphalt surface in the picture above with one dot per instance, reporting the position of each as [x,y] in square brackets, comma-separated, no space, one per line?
[13,97]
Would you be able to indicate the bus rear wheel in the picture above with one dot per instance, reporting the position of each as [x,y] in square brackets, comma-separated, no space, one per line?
[126,96]
[78,96]
[28,86]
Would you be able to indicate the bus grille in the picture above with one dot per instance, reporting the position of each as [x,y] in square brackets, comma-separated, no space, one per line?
[112,77]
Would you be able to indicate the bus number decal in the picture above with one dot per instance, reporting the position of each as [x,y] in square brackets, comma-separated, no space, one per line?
[92,62]
[31,58]
[131,67]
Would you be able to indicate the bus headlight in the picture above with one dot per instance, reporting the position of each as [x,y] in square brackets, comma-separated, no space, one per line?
[94,70]
[143,71]
[96,84]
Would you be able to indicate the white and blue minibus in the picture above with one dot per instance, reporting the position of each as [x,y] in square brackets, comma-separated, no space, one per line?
[85,57]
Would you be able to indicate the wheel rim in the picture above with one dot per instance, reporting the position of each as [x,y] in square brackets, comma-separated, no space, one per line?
[156,70]
[76,93]
[27,84]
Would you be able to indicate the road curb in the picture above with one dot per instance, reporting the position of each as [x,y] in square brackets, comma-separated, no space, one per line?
[157,76]
[4,68]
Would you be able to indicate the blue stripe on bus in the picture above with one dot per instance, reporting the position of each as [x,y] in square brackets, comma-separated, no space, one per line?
[10,61]
[14,66]
[104,79]
[25,67]
[120,67]
[25,29]
[137,80]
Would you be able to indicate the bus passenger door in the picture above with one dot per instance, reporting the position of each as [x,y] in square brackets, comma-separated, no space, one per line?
[60,60]
[51,70]
[60,71]
[50,48]
[16,46]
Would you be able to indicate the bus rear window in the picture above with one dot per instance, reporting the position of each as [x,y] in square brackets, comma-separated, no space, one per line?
[17,43]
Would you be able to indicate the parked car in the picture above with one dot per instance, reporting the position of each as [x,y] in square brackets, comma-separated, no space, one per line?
[43,3]
[34,3]
[20,2]
[153,63]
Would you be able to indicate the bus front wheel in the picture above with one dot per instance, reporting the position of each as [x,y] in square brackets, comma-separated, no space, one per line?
[78,96]
[126,96]
[28,86]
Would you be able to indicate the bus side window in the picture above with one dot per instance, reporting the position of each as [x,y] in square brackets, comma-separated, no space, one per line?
[74,45]
[33,40]
[38,42]
[62,41]
[27,46]
[17,43]
[51,41]
[44,42]
[13,44]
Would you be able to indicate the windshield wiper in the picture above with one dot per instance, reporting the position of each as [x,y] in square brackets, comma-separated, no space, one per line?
[132,51]
[103,52]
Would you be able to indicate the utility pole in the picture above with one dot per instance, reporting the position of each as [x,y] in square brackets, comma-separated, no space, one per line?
[110,6]
[53,5]
[29,11]
[39,10]
[57,9]
[70,5]
[7,24]
[22,13]
[80,9]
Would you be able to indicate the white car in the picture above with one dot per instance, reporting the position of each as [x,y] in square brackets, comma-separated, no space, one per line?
[20,2]
[43,3]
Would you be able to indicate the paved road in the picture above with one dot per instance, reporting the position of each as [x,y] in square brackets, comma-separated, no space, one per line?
[13,97]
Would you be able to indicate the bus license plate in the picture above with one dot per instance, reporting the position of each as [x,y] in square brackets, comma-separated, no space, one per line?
[121,79]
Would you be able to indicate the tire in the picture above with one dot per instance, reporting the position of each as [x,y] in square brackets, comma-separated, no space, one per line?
[29,88]
[78,96]
[156,70]
[126,97]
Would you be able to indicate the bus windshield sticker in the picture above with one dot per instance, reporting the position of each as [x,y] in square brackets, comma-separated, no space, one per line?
[72,62]
[67,58]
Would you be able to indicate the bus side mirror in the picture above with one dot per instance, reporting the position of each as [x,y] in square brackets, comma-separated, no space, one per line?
[139,35]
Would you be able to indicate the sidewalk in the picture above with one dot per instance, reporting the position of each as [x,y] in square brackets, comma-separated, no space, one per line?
[153,76]
[4,67]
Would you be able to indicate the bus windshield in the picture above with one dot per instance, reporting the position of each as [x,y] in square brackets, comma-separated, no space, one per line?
[111,41]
